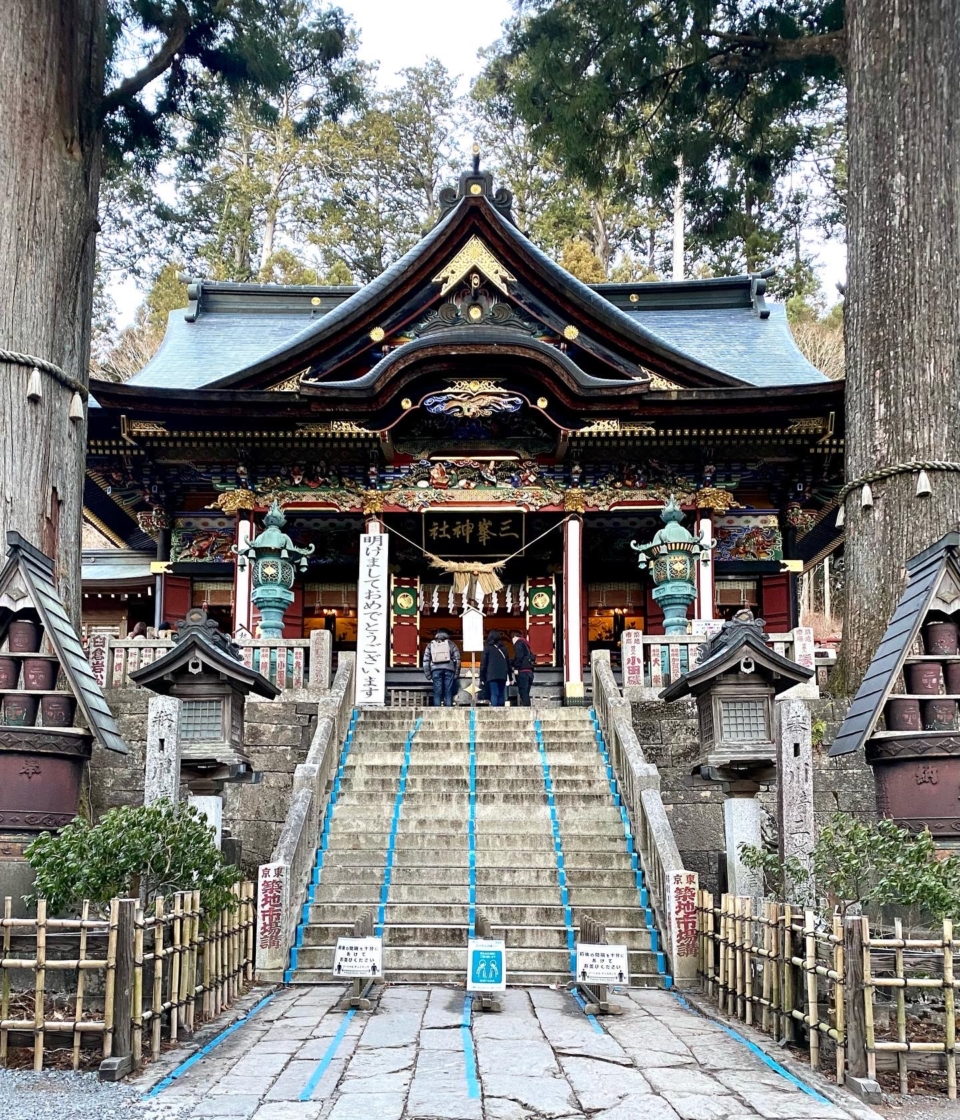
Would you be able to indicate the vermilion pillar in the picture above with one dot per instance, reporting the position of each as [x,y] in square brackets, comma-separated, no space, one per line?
[573,607]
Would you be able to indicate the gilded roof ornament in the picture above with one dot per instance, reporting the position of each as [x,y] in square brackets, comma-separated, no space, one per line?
[474,255]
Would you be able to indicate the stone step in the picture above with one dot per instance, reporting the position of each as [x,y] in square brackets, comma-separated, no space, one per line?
[455,977]
[453,935]
[438,958]
[413,913]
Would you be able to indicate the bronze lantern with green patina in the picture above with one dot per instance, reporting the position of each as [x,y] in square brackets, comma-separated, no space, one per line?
[670,557]
[275,559]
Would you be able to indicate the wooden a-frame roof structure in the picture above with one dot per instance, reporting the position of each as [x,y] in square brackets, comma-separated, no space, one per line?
[933,581]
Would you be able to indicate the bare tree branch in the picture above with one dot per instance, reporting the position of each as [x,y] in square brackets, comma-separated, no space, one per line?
[156,66]
[831,44]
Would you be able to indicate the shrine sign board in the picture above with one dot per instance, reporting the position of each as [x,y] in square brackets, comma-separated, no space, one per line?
[373,610]
[472,630]
[682,887]
[358,956]
[486,965]
[602,964]
[273,894]
[631,657]
[466,535]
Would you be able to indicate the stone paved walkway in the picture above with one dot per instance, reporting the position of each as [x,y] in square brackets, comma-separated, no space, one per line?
[541,1057]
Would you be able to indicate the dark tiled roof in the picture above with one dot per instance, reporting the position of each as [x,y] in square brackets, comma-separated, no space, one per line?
[735,341]
[234,328]
[924,573]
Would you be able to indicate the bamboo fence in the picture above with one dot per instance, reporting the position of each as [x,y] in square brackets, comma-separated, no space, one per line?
[185,969]
[834,987]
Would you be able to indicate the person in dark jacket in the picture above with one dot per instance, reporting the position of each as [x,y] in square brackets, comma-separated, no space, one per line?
[495,669]
[441,665]
[524,663]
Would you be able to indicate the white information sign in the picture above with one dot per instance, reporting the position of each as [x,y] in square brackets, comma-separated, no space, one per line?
[358,956]
[374,607]
[472,630]
[602,964]
[486,965]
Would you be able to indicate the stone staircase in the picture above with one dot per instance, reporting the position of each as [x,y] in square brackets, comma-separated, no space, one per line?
[541,842]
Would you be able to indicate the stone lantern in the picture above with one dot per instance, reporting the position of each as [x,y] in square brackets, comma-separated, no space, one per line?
[734,684]
[274,557]
[742,737]
[204,673]
[670,555]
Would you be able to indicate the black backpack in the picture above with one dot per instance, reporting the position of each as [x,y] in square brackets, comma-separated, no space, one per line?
[524,658]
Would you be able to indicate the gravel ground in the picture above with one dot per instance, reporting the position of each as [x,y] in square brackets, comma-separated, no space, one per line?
[919,1108]
[25,1095]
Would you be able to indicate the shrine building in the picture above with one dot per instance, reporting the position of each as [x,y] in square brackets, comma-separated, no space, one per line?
[474,403]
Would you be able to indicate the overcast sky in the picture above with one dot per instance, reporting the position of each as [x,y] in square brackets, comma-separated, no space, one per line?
[399,33]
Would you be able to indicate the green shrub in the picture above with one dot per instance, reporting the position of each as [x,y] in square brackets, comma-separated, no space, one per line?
[870,863]
[132,852]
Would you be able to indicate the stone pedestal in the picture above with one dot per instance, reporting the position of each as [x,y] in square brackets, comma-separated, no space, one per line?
[162,767]
[210,807]
[792,733]
[321,658]
[741,825]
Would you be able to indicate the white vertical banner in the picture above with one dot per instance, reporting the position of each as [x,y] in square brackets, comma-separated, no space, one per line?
[373,611]
[573,606]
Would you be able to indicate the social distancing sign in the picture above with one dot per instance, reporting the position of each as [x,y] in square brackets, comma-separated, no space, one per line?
[486,965]
[358,956]
[602,964]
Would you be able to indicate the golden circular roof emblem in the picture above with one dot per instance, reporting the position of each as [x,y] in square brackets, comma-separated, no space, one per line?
[475,312]
[315,301]
[475,188]
[570,331]
[634,298]
[378,334]
[406,403]
[541,402]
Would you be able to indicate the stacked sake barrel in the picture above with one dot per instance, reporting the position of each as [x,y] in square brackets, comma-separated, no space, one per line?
[932,682]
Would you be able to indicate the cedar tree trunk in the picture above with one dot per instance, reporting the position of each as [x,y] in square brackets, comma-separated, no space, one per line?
[902,316]
[51,81]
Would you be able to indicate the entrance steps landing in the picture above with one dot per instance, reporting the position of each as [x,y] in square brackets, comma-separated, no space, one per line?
[512,873]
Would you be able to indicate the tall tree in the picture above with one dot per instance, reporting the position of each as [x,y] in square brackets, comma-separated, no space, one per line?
[902,318]
[741,86]
[81,79]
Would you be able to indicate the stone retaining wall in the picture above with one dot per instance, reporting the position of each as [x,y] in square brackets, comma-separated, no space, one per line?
[277,736]
[669,736]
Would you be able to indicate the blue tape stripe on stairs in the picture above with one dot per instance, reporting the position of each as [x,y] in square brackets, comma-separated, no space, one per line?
[321,849]
[472,832]
[558,850]
[648,915]
[394,827]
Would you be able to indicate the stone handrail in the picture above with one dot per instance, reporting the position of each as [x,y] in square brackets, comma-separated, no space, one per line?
[668,882]
[650,662]
[292,664]
[283,881]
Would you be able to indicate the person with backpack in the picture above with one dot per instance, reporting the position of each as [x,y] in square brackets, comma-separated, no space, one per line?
[441,664]
[524,663]
[495,669]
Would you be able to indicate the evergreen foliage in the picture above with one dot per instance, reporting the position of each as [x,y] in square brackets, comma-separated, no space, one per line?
[132,852]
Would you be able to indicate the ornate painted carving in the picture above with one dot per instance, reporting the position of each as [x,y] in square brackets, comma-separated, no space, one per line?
[473,399]
[206,539]
[474,255]
[749,536]
[40,741]
[608,427]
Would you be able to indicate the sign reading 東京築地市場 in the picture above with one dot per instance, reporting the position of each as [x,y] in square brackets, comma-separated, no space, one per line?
[358,956]
[602,964]
[486,965]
